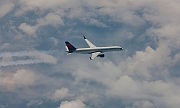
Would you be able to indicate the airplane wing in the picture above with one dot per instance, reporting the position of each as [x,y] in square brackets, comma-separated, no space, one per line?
[89,43]
[94,55]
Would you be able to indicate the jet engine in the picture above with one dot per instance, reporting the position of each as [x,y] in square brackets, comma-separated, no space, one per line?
[101,55]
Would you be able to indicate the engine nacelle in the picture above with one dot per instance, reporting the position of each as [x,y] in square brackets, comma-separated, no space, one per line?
[101,55]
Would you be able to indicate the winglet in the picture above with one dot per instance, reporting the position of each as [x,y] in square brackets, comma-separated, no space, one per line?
[84,37]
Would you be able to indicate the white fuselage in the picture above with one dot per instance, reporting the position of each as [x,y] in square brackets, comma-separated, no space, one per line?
[97,49]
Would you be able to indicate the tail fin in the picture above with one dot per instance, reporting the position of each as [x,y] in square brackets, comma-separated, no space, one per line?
[70,47]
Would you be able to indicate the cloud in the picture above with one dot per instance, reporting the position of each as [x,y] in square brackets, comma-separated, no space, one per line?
[21,78]
[47,58]
[5,8]
[30,30]
[88,16]
[24,77]
[145,75]
[7,58]
[27,53]
[34,103]
[124,86]
[128,12]
[54,40]
[60,94]
[140,76]
[142,104]
[50,19]
[96,22]
[9,62]
[6,81]
[5,45]
[45,4]
[35,57]
[72,104]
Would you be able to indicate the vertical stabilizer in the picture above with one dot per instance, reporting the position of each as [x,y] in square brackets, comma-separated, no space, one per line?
[70,47]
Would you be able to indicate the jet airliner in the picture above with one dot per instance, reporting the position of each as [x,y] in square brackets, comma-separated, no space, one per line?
[93,50]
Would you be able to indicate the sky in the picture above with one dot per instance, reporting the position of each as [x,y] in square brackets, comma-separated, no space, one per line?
[36,72]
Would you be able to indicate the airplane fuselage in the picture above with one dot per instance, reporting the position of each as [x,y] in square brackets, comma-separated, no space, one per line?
[96,49]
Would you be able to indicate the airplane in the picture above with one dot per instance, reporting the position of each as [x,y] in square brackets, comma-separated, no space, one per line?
[93,50]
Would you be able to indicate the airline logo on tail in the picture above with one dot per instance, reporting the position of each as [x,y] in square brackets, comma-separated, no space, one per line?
[70,48]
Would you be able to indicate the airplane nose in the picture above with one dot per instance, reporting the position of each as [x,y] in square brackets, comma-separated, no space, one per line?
[121,48]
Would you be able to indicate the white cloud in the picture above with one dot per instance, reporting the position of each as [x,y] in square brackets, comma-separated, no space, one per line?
[60,94]
[46,58]
[143,78]
[97,23]
[146,74]
[6,83]
[30,30]
[72,104]
[11,81]
[24,77]
[125,86]
[130,18]
[51,19]
[36,57]
[90,15]
[5,7]
[45,4]
[124,11]
[7,58]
